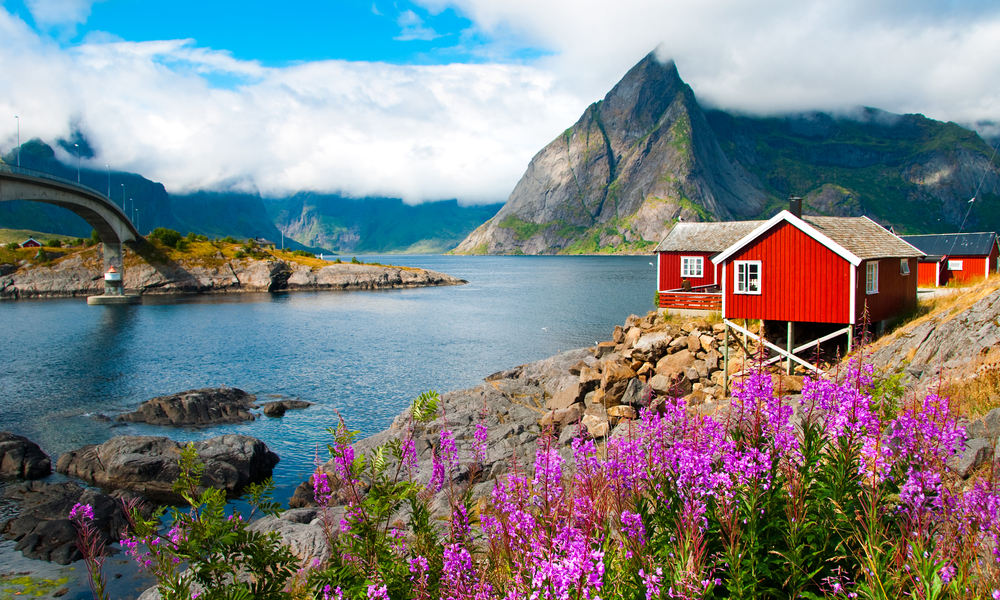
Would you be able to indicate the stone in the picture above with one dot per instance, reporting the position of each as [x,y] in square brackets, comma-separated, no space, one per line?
[599,430]
[614,393]
[637,393]
[678,341]
[674,363]
[279,407]
[712,361]
[615,372]
[604,349]
[596,411]
[207,406]
[977,452]
[701,367]
[986,427]
[619,335]
[149,465]
[660,383]
[645,369]
[652,346]
[707,342]
[631,337]
[719,327]
[565,397]
[622,412]
[43,531]
[595,398]
[561,417]
[20,458]
[306,541]
[692,373]
[575,369]
[696,398]
[589,377]
[694,342]
[787,383]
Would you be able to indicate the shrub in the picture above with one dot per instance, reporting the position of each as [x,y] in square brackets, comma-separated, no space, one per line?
[191,236]
[338,262]
[78,242]
[95,237]
[229,240]
[355,261]
[240,254]
[167,237]
[303,253]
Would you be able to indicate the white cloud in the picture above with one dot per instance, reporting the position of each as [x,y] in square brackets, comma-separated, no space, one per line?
[937,57]
[414,132]
[413,28]
[61,14]
[469,130]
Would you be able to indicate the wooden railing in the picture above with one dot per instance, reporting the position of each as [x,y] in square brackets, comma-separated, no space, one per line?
[704,297]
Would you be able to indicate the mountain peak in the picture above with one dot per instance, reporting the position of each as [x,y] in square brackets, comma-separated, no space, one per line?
[637,102]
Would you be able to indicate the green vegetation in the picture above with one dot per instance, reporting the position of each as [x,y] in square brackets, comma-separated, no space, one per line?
[15,585]
[167,237]
[523,230]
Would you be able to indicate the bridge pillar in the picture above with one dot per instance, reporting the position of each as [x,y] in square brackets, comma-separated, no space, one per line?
[113,258]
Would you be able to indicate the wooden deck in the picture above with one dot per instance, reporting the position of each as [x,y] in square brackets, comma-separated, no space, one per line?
[706,297]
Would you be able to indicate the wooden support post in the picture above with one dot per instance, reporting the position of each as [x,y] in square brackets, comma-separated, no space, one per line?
[725,363]
[789,345]
[850,337]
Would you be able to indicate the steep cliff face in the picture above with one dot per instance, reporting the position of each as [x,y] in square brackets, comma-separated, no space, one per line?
[648,155]
[632,165]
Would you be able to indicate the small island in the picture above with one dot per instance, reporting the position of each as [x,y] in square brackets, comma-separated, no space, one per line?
[166,263]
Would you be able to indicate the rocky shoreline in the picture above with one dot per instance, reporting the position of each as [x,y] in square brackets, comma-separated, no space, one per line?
[80,274]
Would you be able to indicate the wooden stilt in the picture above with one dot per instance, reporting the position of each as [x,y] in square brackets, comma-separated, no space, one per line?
[789,345]
[850,338]
[725,363]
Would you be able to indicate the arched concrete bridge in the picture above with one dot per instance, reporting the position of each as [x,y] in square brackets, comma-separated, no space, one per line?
[99,211]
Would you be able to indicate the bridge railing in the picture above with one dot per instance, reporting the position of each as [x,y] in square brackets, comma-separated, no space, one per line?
[5,168]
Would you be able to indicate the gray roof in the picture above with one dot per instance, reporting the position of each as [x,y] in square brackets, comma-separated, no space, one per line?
[863,237]
[954,244]
[860,236]
[705,237]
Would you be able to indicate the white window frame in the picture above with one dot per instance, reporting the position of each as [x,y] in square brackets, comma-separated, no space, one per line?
[871,277]
[743,268]
[687,262]
[955,265]
[904,266]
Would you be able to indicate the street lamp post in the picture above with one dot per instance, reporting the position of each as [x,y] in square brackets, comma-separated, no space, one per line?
[131,209]
[18,119]
[77,146]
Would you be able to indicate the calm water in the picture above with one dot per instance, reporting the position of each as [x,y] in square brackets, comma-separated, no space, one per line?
[364,354]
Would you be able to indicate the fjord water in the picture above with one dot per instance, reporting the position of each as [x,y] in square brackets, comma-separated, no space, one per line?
[363,355]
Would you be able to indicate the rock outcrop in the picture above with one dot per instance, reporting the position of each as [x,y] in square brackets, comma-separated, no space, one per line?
[279,407]
[149,465]
[20,458]
[207,406]
[43,530]
[634,163]
[80,274]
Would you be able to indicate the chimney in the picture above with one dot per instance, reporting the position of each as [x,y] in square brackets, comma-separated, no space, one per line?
[795,206]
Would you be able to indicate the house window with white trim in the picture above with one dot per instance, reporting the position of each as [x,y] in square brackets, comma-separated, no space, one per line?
[871,278]
[747,277]
[955,265]
[904,266]
[692,266]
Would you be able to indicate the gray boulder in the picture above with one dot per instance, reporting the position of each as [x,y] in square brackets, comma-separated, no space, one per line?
[20,458]
[43,530]
[207,406]
[986,427]
[149,465]
[279,407]
[977,451]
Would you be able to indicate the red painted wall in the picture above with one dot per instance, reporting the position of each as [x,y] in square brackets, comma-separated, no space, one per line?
[973,267]
[927,274]
[670,270]
[896,292]
[801,280]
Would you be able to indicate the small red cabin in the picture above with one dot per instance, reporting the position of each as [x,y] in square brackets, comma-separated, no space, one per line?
[958,257]
[686,253]
[31,243]
[818,270]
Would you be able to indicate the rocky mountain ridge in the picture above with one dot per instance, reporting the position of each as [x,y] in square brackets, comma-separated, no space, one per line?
[648,155]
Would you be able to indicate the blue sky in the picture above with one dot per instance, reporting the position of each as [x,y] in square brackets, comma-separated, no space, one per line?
[436,99]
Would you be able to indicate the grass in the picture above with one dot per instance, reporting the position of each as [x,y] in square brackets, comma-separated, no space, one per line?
[979,393]
[19,235]
[22,585]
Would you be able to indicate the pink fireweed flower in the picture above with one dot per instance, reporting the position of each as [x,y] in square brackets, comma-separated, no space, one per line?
[82,512]
[378,592]
[479,443]
[548,473]
[633,527]
[652,582]
[444,460]
[321,488]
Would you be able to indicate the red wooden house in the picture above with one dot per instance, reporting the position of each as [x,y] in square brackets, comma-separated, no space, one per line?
[31,243]
[958,257]
[686,253]
[826,270]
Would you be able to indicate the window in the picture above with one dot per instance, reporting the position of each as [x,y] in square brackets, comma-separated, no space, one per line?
[871,280]
[692,266]
[904,266]
[747,276]
[954,265]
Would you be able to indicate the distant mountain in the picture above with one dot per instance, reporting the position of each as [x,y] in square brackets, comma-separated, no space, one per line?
[648,155]
[311,221]
[375,225]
